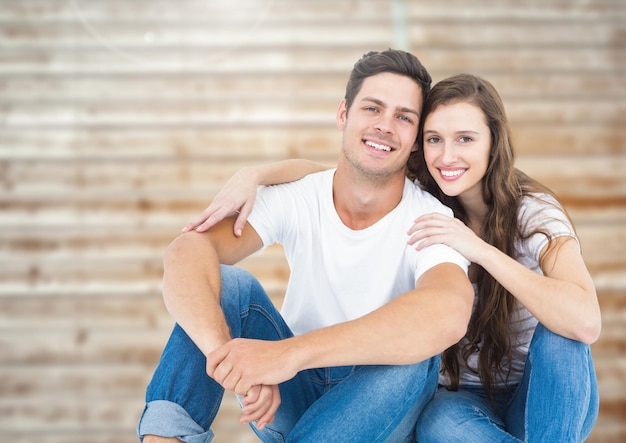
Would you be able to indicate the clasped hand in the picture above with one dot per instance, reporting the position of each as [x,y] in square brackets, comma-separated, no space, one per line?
[252,369]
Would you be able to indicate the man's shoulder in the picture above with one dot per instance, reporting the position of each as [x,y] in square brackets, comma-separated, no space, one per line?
[421,201]
[312,179]
[306,186]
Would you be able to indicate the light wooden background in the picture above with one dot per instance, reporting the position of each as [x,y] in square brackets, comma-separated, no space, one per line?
[120,119]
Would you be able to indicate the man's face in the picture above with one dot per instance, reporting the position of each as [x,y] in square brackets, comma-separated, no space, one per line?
[380,129]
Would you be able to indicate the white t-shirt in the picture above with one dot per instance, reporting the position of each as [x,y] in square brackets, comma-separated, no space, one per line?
[339,274]
[544,213]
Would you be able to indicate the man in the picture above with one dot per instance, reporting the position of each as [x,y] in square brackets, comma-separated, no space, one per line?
[354,355]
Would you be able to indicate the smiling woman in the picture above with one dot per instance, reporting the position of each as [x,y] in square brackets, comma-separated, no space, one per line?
[530,303]
[457,147]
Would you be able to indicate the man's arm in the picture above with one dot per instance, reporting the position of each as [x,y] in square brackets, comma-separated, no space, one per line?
[192,282]
[413,327]
[238,194]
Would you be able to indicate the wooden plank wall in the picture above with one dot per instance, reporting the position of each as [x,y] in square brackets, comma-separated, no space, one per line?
[120,119]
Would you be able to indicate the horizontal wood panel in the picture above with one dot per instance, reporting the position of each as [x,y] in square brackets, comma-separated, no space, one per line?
[281,111]
[72,419]
[266,144]
[118,258]
[191,10]
[482,61]
[132,345]
[320,10]
[210,34]
[574,179]
[131,35]
[243,88]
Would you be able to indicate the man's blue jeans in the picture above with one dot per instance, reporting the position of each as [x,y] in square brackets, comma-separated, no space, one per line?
[340,404]
[556,401]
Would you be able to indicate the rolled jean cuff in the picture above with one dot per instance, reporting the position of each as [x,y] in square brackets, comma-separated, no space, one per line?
[168,419]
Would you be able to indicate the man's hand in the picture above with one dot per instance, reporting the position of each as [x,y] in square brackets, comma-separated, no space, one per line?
[242,363]
[260,404]
[252,369]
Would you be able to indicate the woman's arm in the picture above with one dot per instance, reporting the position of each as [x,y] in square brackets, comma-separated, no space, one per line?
[239,192]
[563,299]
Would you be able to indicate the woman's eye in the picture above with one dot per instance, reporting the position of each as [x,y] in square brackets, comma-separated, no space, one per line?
[465,139]
[433,139]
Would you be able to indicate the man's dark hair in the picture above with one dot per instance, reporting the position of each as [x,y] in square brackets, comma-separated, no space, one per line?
[392,60]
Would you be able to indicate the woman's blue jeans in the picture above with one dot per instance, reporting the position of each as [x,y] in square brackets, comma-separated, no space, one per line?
[339,404]
[556,401]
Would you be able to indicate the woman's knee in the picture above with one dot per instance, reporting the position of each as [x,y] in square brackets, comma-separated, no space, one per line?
[554,347]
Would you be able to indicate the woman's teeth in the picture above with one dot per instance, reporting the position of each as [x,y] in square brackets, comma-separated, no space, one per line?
[454,173]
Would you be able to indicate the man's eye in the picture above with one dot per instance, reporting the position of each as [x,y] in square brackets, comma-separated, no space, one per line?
[404,118]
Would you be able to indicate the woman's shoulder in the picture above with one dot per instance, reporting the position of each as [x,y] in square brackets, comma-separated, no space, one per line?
[542,211]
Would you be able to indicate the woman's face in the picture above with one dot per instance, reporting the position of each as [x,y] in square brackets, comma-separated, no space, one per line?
[457,143]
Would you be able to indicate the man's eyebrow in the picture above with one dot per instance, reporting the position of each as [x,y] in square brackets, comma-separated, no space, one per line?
[399,108]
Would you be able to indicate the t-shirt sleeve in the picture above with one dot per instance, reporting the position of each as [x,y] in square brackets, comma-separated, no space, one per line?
[543,214]
[269,212]
[436,254]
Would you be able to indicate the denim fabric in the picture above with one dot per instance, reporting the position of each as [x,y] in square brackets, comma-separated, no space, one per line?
[556,401]
[339,404]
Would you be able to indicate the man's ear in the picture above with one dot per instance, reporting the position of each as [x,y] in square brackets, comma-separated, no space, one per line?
[342,114]
[415,147]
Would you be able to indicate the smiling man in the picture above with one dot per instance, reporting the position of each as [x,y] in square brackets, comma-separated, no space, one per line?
[353,355]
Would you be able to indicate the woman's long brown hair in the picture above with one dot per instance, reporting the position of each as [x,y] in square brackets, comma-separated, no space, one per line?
[504,186]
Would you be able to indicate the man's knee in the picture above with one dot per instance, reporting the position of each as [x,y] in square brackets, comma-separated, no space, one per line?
[237,279]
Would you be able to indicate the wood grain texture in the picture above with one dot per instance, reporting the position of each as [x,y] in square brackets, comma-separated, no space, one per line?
[120,120]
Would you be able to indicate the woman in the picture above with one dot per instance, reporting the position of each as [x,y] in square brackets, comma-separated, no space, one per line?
[524,371]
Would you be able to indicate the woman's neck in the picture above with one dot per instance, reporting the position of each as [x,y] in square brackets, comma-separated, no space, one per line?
[476,211]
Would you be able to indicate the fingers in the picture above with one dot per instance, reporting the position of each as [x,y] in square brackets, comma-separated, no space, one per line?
[260,405]
[214,218]
[242,217]
[210,217]
[196,221]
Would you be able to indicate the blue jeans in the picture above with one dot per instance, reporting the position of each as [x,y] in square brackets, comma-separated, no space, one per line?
[339,404]
[556,401]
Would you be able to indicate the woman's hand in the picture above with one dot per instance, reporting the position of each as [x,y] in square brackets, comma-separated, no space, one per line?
[438,228]
[236,197]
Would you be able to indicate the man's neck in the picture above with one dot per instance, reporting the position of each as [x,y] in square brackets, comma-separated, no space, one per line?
[361,201]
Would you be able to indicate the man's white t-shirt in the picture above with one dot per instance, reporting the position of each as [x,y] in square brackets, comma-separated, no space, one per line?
[339,274]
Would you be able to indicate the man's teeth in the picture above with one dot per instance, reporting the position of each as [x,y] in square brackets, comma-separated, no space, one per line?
[454,173]
[378,147]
